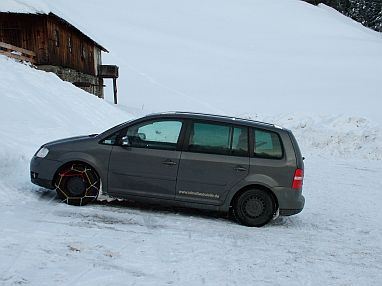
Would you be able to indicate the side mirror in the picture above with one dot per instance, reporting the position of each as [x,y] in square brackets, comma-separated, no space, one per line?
[125,142]
[142,136]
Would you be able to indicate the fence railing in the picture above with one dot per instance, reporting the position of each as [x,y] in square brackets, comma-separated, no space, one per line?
[17,53]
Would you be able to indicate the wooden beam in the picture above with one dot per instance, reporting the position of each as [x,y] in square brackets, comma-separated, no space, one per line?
[14,48]
[108,71]
[18,57]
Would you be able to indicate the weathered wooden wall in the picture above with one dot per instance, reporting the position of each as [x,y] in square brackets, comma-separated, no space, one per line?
[25,31]
[73,50]
[54,42]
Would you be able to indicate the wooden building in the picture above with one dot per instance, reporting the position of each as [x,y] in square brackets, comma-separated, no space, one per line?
[59,47]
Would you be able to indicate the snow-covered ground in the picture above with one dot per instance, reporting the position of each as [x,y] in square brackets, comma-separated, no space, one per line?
[336,240]
[319,72]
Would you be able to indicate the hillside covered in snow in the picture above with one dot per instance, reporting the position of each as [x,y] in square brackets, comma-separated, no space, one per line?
[240,57]
[37,107]
[306,68]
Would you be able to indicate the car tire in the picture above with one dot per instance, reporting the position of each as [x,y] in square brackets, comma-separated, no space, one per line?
[77,185]
[253,207]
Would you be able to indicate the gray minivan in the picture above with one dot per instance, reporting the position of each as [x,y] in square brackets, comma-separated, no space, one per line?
[194,160]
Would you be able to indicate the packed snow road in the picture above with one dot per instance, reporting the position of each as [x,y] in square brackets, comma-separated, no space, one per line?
[336,240]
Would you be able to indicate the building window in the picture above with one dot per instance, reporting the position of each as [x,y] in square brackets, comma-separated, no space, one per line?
[83,52]
[56,35]
[70,49]
[90,54]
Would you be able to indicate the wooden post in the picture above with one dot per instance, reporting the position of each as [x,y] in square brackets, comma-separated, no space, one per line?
[109,71]
[115,90]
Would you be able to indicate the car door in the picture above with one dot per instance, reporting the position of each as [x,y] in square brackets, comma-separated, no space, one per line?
[215,158]
[147,160]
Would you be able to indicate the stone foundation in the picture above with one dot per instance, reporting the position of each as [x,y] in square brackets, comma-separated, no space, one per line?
[89,83]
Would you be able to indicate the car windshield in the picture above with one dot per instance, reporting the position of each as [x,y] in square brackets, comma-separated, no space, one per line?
[115,128]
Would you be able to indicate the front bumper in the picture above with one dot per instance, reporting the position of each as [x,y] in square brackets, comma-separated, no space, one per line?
[42,171]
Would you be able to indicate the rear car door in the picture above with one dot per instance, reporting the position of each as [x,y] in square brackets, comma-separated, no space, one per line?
[146,163]
[215,158]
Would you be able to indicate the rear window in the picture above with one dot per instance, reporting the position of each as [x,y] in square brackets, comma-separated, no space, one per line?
[267,145]
[218,139]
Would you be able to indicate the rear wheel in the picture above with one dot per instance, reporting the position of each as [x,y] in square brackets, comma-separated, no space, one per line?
[254,208]
[77,184]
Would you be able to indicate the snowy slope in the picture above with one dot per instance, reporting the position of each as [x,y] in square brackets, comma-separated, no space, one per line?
[37,107]
[332,135]
[255,59]
[245,56]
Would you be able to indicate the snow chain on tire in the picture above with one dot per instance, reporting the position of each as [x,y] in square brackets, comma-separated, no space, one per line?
[89,177]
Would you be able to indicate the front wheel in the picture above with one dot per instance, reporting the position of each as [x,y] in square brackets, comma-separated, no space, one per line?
[77,185]
[254,208]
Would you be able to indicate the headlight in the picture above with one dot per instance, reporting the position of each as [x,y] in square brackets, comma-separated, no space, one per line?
[42,152]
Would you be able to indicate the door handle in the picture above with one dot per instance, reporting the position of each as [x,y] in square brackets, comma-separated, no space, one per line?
[240,169]
[169,163]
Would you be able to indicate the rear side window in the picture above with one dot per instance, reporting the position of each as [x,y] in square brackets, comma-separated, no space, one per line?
[267,145]
[239,146]
[218,139]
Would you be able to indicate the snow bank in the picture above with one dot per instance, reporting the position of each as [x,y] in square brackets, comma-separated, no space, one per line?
[37,107]
[340,136]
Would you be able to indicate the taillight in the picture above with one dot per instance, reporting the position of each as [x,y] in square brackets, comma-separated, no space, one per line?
[297,179]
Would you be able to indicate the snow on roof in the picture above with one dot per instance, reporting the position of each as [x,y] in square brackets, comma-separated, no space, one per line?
[27,7]
[42,7]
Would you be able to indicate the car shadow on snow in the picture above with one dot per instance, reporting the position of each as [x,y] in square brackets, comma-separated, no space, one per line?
[156,208]
[119,205]
[280,222]
[288,222]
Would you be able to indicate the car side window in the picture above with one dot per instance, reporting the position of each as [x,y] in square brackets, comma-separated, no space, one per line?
[267,144]
[111,140]
[240,141]
[155,134]
[218,139]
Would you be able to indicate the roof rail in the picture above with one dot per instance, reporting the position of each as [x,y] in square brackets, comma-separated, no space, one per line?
[215,115]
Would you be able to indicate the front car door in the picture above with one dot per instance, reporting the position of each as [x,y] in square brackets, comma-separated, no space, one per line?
[147,160]
[215,158]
